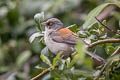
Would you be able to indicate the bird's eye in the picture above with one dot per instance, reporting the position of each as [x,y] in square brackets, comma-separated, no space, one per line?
[50,23]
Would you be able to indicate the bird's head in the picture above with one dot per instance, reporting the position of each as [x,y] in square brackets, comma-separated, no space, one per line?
[53,24]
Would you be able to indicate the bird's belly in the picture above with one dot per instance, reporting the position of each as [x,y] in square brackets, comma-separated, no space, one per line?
[55,47]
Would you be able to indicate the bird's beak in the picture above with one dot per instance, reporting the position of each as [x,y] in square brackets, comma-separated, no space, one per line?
[44,24]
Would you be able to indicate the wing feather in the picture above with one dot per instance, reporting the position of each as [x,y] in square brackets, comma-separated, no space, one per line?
[65,36]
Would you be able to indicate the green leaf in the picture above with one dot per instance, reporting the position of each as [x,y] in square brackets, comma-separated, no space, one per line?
[88,62]
[70,65]
[102,27]
[22,58]
[45,59]
[13,16]
[73,27]
[62,64]
[57,58]
[35,35]
[39,17]
[45,51]
[38,67]
[104,36]
[82,34]
[95,26]
[117,3]
[110,49]
[80,48]
[67,61]
[90,20]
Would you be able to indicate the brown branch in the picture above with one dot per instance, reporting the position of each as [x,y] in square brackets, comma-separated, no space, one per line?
[98,58]
[110,40]
[43,73]
[46,70]
[107,26]
[95,56]
[106,64]
[116,51]
[101,72]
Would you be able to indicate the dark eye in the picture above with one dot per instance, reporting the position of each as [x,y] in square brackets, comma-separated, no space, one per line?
[50,23]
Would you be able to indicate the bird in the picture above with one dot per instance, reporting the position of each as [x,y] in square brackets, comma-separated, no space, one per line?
[58,38]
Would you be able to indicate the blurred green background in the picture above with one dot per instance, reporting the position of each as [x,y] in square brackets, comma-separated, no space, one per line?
[18,57]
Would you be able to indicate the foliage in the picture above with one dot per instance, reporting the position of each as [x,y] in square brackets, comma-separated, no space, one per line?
[95,12]
[19,60]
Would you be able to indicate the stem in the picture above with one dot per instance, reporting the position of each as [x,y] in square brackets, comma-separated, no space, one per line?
[46,71]
[110,40]
[106,64]
[116,51]
[41,74]
[107,26]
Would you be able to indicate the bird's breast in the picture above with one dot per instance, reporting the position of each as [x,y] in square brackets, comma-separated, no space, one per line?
[53,46]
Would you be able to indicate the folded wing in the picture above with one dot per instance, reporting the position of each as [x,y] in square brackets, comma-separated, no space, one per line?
[65,36]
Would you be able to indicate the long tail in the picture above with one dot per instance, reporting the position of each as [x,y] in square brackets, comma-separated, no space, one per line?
[95,56]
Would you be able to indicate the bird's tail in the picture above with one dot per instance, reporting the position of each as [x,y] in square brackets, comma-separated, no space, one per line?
[95,56]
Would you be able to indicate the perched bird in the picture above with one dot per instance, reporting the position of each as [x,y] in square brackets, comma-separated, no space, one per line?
[57,38]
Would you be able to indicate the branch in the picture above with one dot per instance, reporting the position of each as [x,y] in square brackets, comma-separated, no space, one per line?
[107,26]
[95,56]
[106,64]
[102,70]
[110,40]
[46,71]
[43,73]
[98,58]
[116,51]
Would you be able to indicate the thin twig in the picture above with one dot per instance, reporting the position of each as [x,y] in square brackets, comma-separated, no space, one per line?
[42,73]
[95,56]
[105,65]
[46,71]
[116,51]
[107,26]
[92,55]
[101,72]
[110,40]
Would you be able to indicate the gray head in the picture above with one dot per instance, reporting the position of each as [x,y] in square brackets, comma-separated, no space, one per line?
[53,23]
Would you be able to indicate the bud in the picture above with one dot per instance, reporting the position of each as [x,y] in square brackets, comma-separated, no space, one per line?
[39,17]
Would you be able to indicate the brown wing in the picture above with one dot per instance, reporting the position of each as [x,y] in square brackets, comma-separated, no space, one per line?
[64,35]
